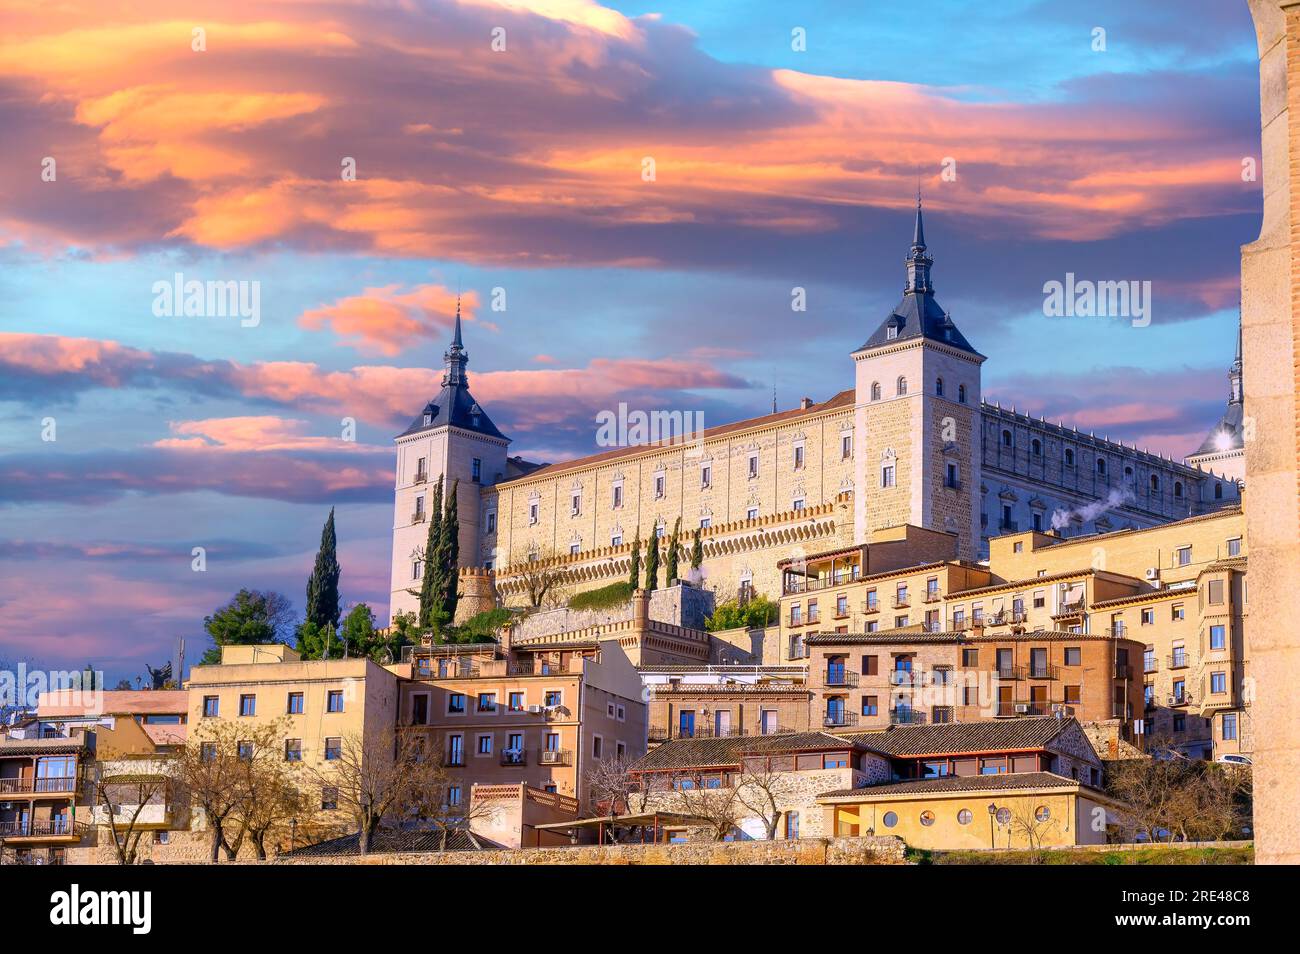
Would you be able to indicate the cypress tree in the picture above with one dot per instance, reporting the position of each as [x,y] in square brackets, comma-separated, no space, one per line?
[652,563]
[431,586]
[635,579]
[674,549]
[697,551]
[451,554]
[323,584]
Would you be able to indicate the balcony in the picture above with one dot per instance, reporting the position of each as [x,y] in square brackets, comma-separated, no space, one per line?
[1179,699]
[703,730]
[54,828]
[1010,672]
[1118,631]
[555,757]
[906,717]
[871,606]
[932,596]
[1044,671]
[1177,661]
[1010,710]
[1069,609]
[839,676]
[901,602]
[417,517]
[905,677]
[1005,618]
[37,786]
[794,620]
[514,756]
[832,719]
[1009,526]
[421,478]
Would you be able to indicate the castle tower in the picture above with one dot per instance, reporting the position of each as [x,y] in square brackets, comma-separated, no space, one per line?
[1223,451]
[917,425]
[453,438]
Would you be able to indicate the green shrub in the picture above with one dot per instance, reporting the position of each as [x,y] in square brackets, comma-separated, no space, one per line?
[607,597]
[757,613]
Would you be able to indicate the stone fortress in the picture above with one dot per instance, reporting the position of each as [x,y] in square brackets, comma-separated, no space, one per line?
[912,443]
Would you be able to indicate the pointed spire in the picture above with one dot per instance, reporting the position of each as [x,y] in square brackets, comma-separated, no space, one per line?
[455,357]
[455,341]
[918,262]
[1235,393]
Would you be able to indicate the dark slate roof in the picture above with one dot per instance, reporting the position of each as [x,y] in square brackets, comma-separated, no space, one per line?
[959,783]
[918,315]
[955,738]
[457,407]
[708,753]
[388,841]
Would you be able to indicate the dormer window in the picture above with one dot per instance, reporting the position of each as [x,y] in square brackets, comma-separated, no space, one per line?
[891,332]
[428,418]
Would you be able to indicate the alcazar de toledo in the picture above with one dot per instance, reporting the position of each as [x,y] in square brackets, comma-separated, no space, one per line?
[910,451]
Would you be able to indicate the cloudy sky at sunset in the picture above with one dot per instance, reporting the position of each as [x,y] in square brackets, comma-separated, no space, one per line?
[522,170]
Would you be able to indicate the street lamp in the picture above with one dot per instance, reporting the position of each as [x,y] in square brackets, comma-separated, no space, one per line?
[993,810]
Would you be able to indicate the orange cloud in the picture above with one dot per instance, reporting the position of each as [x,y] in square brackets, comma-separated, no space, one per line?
[253,433]
[385,320]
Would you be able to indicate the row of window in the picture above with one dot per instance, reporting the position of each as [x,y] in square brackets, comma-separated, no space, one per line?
[486,702]
[900,389]
[293,704]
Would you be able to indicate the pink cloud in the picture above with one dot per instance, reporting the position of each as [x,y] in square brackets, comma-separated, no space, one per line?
[254,433]
[387,320]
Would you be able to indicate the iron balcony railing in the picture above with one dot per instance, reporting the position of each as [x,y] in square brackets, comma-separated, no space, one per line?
[839,676]
[902,602]
[933,596]
[1023,708]
[514,756]
[1004,618]
[906,717]
[1177,661]
[702,730]
[832,719]
[1070,609]
[554,757]
[37,786]
[1010,672]
[871,606]
[1044,671]
[20,828]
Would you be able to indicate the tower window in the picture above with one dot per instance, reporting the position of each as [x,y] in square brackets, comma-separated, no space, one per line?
[1218,491]
[887,475]
[875,390]
[961,394]
[938,387]
[891,332]
[1101,466]
[1006,438]
[1178,489]
[902,385]
[1155,483]
[1036,447]
[1069,457]
[476,470]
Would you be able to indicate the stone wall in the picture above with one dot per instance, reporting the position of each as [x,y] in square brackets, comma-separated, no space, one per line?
[804,851]
[680,605]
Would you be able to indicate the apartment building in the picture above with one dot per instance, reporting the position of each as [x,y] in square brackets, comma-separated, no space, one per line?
[534,712]
[318,702]
[720,701]
[1188,607]
[42,784]
[910,677]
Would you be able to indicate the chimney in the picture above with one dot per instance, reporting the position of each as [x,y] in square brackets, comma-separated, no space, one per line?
[805,403]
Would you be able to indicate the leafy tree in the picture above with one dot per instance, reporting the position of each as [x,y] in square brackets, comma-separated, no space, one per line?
[359,632]
[674,551]
[480,628]
[697,551]
[251,617]
[756,614]
[634,579]
[323,585]
[652,563]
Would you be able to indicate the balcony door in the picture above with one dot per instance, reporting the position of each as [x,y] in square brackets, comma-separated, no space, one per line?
[1006,701]
[1005,660]
[686,724]
[1038,663]
[835,710]
[722,723]
[1038,700]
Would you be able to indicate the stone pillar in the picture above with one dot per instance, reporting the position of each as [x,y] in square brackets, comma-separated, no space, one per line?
[1270,288]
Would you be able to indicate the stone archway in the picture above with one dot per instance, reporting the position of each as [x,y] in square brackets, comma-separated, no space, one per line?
[1270,289]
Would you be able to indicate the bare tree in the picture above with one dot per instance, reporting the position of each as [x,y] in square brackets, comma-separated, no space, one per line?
[543,581]
[1026,822]
[1172,797]
[757,788]
[388,774]
[614,789]
[274,798]
[707,798]
[124,799]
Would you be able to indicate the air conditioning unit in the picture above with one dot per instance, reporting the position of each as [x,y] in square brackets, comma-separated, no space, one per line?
[1153,573]
[534,710]
[1022,708]
[5,806]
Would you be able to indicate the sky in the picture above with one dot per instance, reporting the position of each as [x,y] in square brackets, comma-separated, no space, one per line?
[623,195]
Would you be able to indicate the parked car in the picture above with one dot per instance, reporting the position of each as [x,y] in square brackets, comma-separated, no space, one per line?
[1234,759]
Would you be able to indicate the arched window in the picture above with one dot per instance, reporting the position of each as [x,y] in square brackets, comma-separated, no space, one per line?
[1006,438]
[1069,457]
[938,386]
[1218,491]
[1101,466]
[1155,483]
[875,390]
[1037,447]
[1128,471]
[961,393]
[1178,489]
[902,385]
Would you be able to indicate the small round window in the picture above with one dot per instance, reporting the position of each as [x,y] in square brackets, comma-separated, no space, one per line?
[1042,813]
[964,817]
[890,819]
[1004,816]
[927,818]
